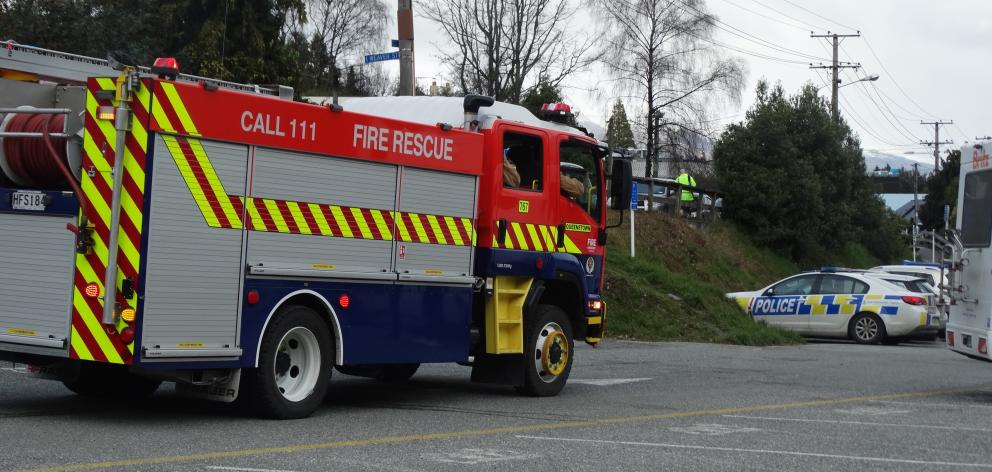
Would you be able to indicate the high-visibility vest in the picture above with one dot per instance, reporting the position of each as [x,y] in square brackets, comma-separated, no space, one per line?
[686,181]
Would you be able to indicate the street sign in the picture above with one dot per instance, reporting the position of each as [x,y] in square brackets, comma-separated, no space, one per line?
[395,43]
[633,195]
[385,56]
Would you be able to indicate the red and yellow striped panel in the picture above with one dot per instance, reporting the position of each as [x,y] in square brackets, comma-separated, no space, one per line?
[534,237]
[90,339]
[223,210]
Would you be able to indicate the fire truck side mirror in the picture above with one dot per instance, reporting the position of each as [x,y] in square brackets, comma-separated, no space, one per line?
[620,182]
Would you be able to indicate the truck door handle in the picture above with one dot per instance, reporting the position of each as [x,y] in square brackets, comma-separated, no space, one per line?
[561,235]
[501,231]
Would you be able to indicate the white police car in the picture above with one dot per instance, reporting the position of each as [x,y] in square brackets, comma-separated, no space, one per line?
[839,303]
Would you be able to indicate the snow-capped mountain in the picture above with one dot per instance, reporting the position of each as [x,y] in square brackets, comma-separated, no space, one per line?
[875,158]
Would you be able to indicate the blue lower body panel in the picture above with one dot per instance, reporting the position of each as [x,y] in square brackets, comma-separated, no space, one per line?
[383,323]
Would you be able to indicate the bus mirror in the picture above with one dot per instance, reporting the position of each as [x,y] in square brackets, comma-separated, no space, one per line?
[620,182]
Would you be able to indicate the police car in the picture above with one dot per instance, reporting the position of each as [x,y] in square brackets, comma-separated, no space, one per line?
[841,303]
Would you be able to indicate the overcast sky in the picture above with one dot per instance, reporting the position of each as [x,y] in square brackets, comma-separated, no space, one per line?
[936,52]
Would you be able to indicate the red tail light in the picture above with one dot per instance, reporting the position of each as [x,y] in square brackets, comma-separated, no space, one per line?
[252,297]
[950,338]
[914,300]
[92,290]
[127,335]
[983,346]
[344,301]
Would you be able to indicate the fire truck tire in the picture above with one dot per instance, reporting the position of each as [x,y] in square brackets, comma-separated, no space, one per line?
[95,380]
[548,351]
[294,366]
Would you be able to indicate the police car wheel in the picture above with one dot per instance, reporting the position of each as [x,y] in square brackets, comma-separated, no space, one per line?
[295,361]
[548,351]
[866,328]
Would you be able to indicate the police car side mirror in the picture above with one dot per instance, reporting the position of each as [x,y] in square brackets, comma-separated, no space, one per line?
[620,182]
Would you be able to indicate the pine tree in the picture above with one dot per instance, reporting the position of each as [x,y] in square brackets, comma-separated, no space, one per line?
[618,132]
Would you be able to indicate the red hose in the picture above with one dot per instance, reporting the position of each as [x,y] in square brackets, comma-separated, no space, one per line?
[30,158]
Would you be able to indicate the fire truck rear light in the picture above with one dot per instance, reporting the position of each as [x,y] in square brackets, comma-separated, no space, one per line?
[92,290]
[128,315]
[105,113]
[344,301]
[950,338]
[983,346]
[252,297]
[595,305]
[539,263]
[914,300]
[127,335]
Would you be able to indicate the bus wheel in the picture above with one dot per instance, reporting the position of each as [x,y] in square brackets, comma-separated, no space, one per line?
[548,351]
[294,366]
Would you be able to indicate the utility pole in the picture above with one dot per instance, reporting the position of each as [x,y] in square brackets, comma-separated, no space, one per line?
[983,138]
[836,66]
[916,206]
[404,22]
[936,140]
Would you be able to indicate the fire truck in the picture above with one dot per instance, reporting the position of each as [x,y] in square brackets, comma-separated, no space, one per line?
[161,227]
[969,325]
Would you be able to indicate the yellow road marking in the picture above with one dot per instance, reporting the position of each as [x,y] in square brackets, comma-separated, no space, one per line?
[384,440]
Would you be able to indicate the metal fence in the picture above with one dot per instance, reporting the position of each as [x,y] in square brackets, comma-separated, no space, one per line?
[664,195]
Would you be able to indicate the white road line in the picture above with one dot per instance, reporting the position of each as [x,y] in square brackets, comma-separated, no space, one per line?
[244,469]
[862,423]
[949,405]
[765,451]
[606,382]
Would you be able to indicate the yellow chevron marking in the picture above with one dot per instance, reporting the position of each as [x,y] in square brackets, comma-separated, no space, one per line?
[535,239]
[163,120]
[318,215]
[215,184]
[341,221]
[570,246]
[380,222]
[276,215]
[469,230]
[301,221]
[453,229]
[432,220]
[194,186]
[257,223]
[549,239]
[402,232]
[521,239]
[179,107]
[96,330]
[363,226]
[77,343]
[418,226]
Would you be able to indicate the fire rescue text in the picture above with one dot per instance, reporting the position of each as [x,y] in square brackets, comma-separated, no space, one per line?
[402,142]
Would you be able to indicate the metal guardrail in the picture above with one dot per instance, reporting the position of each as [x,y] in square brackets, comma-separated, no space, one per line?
[706,205]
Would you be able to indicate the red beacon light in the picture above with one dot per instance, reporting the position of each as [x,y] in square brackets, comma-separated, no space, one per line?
[557,112]
[166,68]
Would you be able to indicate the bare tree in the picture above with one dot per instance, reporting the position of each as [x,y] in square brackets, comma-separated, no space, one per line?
[661,52]
[349,26]
[503,47]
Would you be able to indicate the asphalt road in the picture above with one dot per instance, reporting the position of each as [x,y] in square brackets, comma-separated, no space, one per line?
[826,405]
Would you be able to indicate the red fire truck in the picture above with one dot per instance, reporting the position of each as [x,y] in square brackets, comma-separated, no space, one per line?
[157,227]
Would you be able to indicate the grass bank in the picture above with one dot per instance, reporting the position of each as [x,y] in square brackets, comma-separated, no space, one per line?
[674,289]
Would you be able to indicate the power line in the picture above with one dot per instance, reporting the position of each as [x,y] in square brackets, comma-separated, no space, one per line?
[892,77]
[765,16]
[819,16]
[936,140]
[780,12]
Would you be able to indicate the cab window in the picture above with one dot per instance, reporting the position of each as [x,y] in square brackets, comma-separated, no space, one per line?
[835,284]
[795,286]
[580,176]
[976,219]
[523,162]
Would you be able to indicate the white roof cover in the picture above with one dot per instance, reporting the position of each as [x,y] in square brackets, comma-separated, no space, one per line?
[434,110]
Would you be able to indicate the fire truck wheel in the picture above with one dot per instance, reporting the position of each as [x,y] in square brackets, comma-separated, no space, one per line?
[294,366]
[96,380]
[866,328]
[548,349]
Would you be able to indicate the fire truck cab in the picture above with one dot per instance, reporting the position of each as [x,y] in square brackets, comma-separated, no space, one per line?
[969,326]
[161,227]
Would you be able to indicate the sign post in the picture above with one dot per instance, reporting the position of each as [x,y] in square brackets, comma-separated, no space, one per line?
[633,211]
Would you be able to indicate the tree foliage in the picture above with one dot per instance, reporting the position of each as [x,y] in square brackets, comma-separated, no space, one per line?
[502,48]
[795,180]
[543,92]
[942,189]
[250,41]
[618,132]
